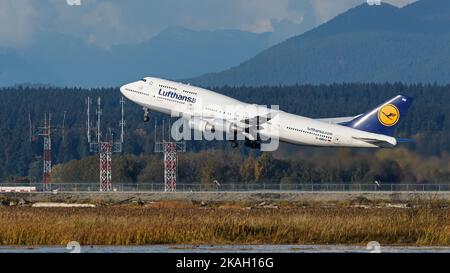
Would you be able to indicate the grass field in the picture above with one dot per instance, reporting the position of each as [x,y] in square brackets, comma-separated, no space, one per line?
[228,223]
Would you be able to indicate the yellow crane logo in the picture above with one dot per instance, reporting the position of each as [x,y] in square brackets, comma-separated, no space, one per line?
[388,115]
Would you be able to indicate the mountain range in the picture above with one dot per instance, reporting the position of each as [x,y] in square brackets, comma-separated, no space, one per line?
[364,44]
[64,60]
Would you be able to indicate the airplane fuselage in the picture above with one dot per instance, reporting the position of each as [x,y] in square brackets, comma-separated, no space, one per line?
[183,100]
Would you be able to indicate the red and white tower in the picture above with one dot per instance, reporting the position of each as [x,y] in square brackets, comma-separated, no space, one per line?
[170,149]
[46,134]
[170,166]
[46,131]
[105,166]
[105,148]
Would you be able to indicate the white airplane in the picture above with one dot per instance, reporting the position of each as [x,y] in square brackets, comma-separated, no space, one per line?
[208,111]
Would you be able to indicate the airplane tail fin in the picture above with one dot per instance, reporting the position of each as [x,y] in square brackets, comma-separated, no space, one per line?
[384,118]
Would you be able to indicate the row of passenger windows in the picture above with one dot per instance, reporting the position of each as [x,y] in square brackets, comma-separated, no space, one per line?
[217,111]
[168,87]
[211,109]
[190,92]
[138,92]
[308,132]
[164,98]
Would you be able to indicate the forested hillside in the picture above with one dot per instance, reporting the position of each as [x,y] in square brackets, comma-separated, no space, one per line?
[428,121]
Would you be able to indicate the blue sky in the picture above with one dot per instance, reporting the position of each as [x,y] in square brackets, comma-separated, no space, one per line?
[104,23]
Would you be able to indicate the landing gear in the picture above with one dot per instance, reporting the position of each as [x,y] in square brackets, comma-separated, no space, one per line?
[146,116]
[254,144]
[234,143]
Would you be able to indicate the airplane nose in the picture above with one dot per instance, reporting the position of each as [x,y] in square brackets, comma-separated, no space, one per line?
[127,90]
[122,89]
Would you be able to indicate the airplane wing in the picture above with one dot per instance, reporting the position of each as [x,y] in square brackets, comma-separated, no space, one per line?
[250,127]
[255,122]
[337,120]
[258,120]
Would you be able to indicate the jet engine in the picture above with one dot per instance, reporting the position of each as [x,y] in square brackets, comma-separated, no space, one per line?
[201,125]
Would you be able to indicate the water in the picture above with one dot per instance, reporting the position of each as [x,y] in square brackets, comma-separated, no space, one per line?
[224,249]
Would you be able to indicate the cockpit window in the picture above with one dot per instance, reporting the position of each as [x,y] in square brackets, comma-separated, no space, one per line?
[144,80]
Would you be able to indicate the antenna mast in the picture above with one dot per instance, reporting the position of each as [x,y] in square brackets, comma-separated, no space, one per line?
[99,114]
[88,123]
[122,121]
[106,147]
[46,132]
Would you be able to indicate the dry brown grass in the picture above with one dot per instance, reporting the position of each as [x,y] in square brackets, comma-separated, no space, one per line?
[171,205]
[187,223]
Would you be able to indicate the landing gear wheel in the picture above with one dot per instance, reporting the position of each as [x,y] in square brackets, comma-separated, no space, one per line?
[146,117]
[234,144]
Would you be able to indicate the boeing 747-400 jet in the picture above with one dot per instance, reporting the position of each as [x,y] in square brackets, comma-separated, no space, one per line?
[208,111]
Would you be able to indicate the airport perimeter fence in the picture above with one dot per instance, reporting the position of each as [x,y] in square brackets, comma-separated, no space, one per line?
[234,187]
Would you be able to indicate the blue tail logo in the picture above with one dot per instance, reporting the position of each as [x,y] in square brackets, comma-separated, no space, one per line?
[384,118]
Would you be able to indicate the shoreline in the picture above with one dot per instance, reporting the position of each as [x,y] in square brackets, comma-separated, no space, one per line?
[226,249]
